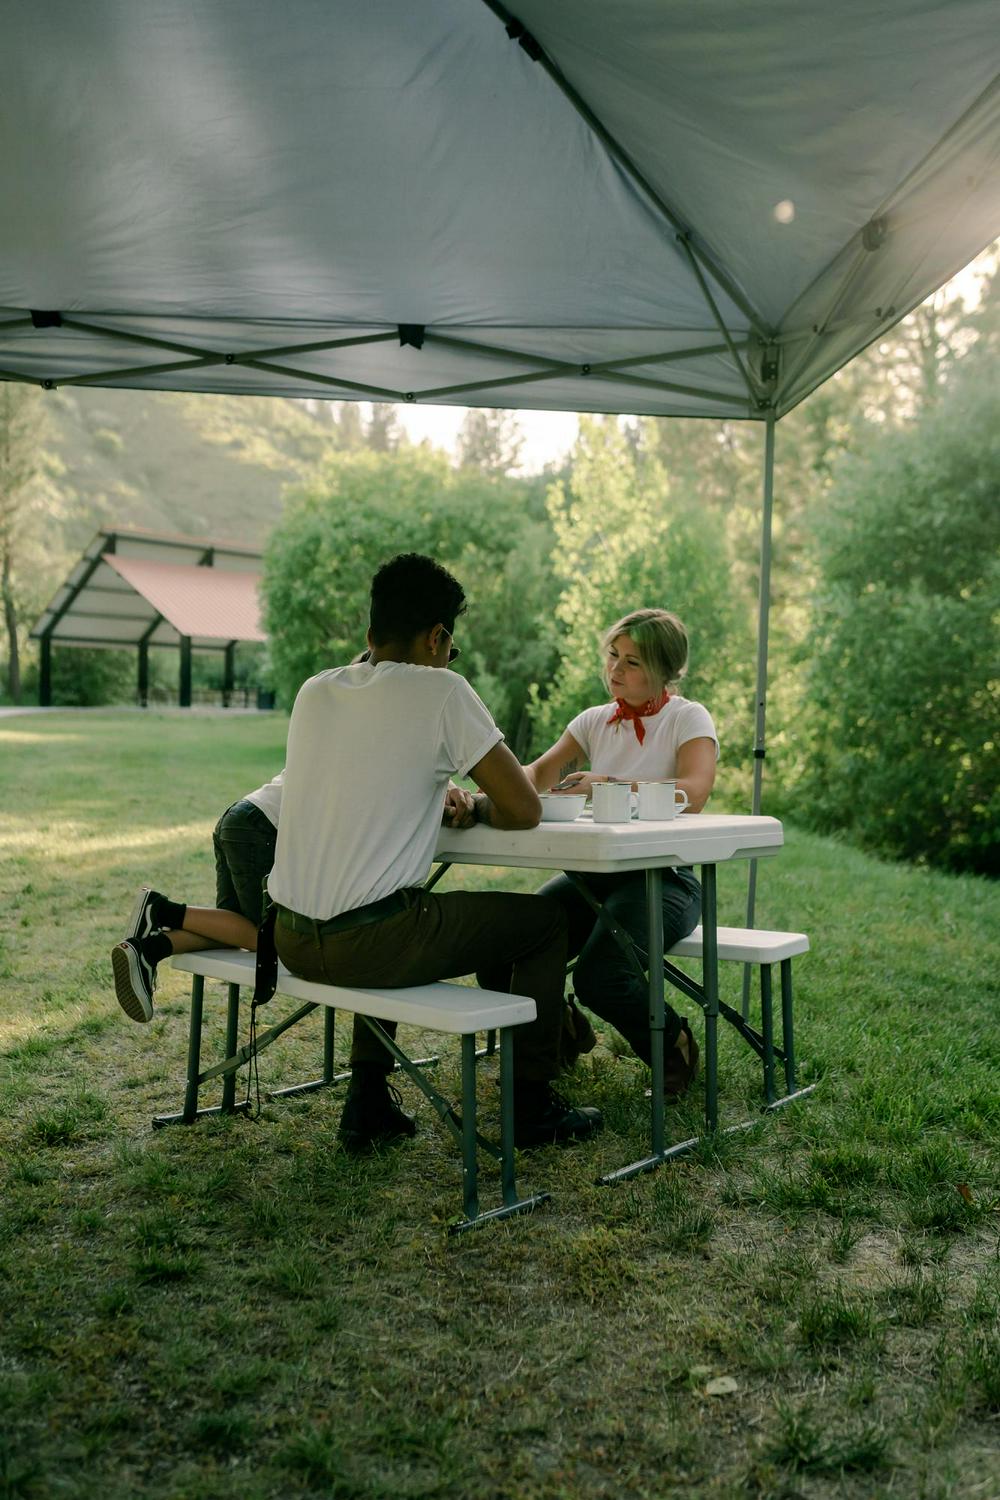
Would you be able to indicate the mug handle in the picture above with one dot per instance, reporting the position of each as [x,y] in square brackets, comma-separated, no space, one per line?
[680,792]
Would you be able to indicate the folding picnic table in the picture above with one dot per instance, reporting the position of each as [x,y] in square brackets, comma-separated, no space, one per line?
[705,839]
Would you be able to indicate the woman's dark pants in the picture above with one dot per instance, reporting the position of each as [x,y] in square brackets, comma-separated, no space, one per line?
[604,980]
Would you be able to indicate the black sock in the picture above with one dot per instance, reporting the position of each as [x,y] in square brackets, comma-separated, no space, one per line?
[169,914]
[155,948]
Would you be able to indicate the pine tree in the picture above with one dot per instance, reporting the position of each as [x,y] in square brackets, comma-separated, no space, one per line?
[490,439]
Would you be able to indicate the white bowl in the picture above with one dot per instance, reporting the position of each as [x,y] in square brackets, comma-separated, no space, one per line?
[562,807]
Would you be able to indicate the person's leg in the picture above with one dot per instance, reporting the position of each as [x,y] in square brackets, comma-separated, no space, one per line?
[243,841]
[604,979]
[443,937]
[577,1036]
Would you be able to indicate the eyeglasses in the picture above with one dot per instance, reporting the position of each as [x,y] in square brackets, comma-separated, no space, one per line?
[455,651]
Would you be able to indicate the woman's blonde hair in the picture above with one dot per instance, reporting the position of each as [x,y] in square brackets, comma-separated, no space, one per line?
[661,643]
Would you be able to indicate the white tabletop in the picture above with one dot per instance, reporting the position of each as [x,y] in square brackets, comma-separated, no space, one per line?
[690,839]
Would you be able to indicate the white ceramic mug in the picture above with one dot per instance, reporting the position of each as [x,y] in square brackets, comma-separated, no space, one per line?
[612,801]
[661,800]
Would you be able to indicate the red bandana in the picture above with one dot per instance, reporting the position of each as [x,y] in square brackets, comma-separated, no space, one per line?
[624,712]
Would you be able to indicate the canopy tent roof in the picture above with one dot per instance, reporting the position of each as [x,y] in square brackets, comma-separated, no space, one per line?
[573,208]
[132,588]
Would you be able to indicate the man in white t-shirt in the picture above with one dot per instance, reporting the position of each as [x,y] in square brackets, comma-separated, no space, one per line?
[371,748]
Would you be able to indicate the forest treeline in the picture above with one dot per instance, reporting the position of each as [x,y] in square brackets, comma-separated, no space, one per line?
[885,683]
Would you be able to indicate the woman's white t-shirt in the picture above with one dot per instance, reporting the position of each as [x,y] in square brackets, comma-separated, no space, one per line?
[614,749]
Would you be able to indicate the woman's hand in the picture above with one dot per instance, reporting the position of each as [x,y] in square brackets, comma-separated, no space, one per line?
[579,781]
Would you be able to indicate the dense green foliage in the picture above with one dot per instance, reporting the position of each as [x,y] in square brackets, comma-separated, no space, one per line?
[365,507]
[903,672]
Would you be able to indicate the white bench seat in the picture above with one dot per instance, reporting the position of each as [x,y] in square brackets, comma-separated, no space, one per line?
[457,1009]
[746,945]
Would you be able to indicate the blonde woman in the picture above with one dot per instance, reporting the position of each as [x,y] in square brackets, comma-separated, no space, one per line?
[647,732]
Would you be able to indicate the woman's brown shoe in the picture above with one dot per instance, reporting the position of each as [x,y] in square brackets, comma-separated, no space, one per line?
[578,1036]
[680,1064]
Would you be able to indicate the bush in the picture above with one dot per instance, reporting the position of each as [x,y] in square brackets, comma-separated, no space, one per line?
[903,680]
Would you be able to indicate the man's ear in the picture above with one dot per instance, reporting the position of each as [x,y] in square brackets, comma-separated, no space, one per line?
[434,639]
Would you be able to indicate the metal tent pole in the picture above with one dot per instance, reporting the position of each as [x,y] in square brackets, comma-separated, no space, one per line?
[763,613]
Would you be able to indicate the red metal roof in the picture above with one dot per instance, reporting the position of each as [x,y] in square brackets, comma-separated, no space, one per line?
[213,603]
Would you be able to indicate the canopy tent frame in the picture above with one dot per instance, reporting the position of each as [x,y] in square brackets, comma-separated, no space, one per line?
[875,247]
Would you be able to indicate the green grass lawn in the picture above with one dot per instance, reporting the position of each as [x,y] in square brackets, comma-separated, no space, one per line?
[236,1309]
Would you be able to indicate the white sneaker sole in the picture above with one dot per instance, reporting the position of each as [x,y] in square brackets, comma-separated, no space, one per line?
[137,928]
[129,987]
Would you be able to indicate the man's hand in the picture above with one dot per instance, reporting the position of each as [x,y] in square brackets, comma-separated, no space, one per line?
[459,808]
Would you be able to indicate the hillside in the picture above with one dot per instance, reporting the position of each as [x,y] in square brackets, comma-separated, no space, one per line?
[198,465]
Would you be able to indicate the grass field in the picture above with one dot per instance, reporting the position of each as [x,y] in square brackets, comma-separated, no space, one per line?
[236,1310]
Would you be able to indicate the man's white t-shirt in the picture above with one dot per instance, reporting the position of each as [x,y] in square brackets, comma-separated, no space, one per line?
[614,749]
[268,797]
[371,748]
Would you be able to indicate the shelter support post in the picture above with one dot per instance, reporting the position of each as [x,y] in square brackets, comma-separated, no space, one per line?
[763,617]
[45,672]
[142,686]
[184,688]
[229,675]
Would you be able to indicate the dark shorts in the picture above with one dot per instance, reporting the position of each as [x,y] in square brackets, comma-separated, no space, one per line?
[244,841]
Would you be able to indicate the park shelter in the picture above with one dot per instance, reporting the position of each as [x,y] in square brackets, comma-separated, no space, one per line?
[673,207]
[133,588]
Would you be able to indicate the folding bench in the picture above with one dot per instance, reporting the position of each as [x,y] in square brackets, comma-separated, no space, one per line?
[452,1008]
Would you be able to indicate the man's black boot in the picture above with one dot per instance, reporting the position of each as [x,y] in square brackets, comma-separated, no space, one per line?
[544,1118]
[372,1115]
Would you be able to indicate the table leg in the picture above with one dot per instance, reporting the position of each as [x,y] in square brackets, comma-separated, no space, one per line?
[710,985]
[654,919]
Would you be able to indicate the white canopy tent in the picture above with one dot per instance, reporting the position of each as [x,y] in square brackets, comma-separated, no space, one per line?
[675,207]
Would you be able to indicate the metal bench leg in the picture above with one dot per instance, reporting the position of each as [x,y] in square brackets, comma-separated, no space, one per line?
[512,1204]
[787,1039]
[194,1048]
[491,1045]
[232,1042]
[470,1160]
[767,1027]
[329,1076]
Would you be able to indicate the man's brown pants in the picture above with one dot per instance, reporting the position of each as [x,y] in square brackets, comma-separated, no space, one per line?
[443,937]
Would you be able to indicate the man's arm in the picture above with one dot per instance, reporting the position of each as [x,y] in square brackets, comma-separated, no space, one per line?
[507,798]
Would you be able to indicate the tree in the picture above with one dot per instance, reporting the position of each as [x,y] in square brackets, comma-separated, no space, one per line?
[624,540]
[383,433]
[347,426]
[903,688]
[490,439]
[20,438]
[364,508]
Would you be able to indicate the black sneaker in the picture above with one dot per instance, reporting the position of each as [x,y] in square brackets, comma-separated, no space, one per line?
[372,1116]
[141,922]
[135,980]
[543,1118]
